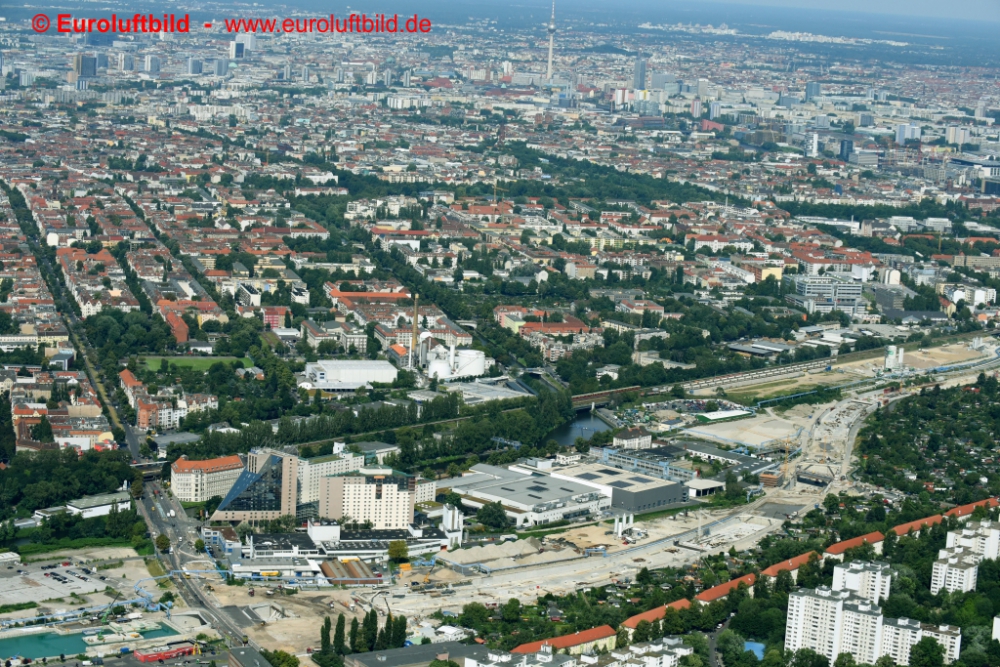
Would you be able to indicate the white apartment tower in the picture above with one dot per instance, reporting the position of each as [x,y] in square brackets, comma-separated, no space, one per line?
[980,537]
[870,581]
[377,495]
[956,569]
[832,622]
[313,470]
[815,620]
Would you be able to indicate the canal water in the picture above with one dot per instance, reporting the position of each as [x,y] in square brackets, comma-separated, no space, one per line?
[49,644]
[584,426]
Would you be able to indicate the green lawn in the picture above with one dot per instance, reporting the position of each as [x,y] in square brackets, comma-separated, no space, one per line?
[197,363]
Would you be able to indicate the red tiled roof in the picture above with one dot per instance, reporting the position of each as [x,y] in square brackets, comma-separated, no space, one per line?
[791,564]
[966,510]
[567,641]
[656,613]
[722,590]
[841,547]
[182,465]
[903,529]
[129,379]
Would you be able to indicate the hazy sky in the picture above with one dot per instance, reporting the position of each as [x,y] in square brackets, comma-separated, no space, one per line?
[978,10]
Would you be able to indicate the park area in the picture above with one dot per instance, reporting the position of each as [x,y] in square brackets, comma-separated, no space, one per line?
[194,363]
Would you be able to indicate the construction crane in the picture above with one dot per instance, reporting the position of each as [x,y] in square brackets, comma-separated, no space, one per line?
[496,189]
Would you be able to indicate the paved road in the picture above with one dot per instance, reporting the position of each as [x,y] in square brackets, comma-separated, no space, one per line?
[181,530]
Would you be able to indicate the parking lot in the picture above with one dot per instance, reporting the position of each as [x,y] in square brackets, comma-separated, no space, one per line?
[30,583]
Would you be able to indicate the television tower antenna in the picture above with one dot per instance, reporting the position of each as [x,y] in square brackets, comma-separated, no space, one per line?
[552,37]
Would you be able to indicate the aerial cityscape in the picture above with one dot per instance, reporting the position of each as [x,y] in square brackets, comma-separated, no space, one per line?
[467,335]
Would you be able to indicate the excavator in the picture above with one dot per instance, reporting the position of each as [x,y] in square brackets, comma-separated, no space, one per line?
[104,616]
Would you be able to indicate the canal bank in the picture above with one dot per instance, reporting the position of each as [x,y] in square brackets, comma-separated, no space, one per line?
[585,425]
[38,643]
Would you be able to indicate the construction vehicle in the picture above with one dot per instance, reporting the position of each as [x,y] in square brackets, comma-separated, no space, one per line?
[104,616]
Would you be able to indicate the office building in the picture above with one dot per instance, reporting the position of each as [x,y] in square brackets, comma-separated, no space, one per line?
[237,50]
[870,581]
[197,481]
[846,148]
[639,74]
[660,80]
[264,491]
[379,497]
[864,158]
[193,66]
[813,90]
[824,287]
[85,66]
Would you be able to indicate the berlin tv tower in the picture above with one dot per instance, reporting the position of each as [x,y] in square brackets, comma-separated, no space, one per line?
[552,37]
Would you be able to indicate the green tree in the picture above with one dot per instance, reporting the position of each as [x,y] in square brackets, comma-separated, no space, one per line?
[199,545]
[511,612]
[280,658]
[42,431]
[492,515]
[338,635]
[324,635]
[927,653]
[398,551]
[162,542]
[355,636]
[642,632]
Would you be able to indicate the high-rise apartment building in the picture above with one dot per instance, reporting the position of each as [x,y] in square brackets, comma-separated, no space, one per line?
[379,496]
[193,66]
[870,581]
[313,470]
[956,569]
[979,537]
[907,132]
[813,90]
[832,622]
